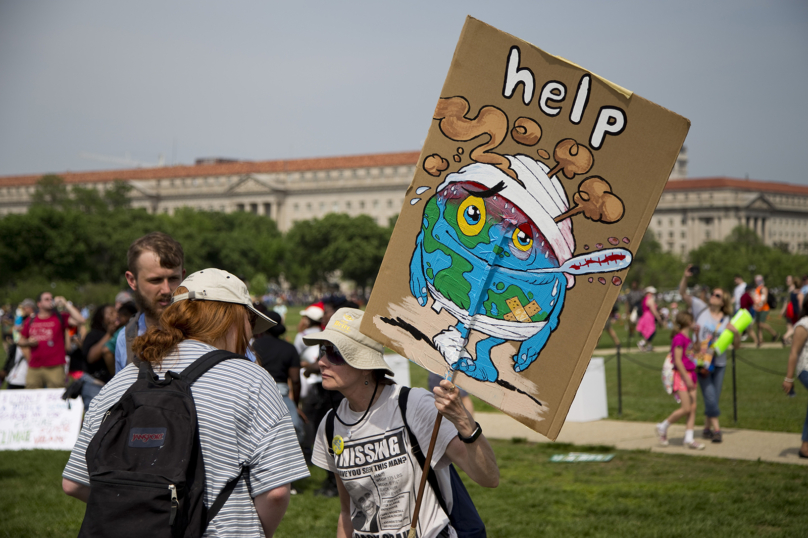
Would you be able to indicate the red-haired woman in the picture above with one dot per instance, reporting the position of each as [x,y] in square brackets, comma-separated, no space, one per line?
[243,422]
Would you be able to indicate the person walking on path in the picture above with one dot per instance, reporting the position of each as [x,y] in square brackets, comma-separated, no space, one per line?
[798,367]
[353,364]
[761,298]
[647,324]
[791,309]
[684,383]
[711,320]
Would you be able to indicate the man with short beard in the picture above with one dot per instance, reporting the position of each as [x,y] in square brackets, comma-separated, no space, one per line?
[155,265]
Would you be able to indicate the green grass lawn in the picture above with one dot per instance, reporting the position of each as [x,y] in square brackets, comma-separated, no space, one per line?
[636,494]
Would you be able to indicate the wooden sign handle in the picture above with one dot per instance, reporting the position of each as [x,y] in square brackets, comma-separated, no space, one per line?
[424,472]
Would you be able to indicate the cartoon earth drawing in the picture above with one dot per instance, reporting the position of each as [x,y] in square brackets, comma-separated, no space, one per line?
[491,253]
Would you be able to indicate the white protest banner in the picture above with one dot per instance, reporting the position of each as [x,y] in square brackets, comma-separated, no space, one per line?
[38,419]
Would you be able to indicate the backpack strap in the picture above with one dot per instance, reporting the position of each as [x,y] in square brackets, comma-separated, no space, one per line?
[431,477]
[225,494]
[206,362]
[329,430]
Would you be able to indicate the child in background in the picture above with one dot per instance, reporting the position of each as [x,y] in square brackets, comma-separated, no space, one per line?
[684,382]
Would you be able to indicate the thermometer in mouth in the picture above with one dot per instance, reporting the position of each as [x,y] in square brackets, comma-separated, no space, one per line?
[602,261]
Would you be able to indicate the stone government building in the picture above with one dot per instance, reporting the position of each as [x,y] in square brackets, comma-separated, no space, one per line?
[691,211]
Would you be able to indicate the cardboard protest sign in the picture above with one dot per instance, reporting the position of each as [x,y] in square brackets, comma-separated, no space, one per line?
[38,419]
[532,193]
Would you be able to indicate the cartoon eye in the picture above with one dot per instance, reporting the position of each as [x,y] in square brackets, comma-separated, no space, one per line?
[471,215]
[522,240]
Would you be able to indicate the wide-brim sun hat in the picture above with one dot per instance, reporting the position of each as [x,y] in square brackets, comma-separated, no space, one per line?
[217,285]
[358,350]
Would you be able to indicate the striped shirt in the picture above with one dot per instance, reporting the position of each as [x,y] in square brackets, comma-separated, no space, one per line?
[242,421]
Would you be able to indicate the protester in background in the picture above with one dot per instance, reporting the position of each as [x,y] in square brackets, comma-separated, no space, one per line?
[748,303]
[124,313]
[633,307]
[281,360]
[242,420]
[44,335]
[99,362]
[15,370]
[711,320]
[684,383]
[738,291]
[761,298]
[7,325]
[23,312]
[791,309]
[353,364]
[311,394]
[647,324]
[798,367]
[803,290]
[155,265]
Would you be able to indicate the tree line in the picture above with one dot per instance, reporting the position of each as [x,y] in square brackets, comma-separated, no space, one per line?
[76,239]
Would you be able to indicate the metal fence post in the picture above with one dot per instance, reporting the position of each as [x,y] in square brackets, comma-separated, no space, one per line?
[619,385]
[734,391]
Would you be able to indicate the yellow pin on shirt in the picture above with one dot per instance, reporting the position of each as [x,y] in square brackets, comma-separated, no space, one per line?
[337,445]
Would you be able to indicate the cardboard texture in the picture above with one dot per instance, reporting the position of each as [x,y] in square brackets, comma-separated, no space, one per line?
[534,188]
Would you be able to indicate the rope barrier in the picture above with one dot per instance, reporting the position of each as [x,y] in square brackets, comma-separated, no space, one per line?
[638,363]
[761,368]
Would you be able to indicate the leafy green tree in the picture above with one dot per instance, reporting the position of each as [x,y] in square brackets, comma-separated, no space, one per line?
[50,191]
[117,196]
[653,267]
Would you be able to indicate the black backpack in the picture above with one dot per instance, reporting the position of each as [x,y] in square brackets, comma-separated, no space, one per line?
[145,461]
[464,517]
[771,300]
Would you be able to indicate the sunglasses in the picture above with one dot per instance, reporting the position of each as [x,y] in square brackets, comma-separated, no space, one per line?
[332,354]
[719,295]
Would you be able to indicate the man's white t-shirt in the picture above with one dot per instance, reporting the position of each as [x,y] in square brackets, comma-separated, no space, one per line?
[737,293]
[378,469]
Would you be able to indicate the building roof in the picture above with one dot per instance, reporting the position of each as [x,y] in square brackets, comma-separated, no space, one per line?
[225,169]
[712,183]
[406,158]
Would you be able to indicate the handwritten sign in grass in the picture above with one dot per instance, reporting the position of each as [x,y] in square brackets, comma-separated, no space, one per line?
[38,419]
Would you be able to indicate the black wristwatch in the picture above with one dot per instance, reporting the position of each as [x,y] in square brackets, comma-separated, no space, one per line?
[474,435]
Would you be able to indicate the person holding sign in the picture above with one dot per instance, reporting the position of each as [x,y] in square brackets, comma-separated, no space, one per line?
[712,318]
[366,441]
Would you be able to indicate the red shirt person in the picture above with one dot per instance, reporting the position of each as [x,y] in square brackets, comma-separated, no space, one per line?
[44,335]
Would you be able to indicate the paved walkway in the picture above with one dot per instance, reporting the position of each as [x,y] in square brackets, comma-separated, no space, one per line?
[625,435]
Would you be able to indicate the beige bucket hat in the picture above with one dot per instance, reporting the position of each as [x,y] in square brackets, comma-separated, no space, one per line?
[217,285]
[358,350]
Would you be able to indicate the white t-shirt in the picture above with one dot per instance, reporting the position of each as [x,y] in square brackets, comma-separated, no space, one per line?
[18,374]
[709,329]
[378,469]
[737,293]
[307,354]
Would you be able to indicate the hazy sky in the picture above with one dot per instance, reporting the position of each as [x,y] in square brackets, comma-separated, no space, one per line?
[271,80]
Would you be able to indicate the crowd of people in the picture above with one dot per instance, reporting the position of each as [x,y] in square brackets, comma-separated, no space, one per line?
[697,316]
[324,398]
[261,421]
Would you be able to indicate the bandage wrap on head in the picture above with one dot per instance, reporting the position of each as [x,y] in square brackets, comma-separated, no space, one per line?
[542,198]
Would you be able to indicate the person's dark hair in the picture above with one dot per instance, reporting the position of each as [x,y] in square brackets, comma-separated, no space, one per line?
[275,331]
[97,321]
[335,301]
[41,293]
[163,245]
[804,310]
[128,308]
[380,376]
